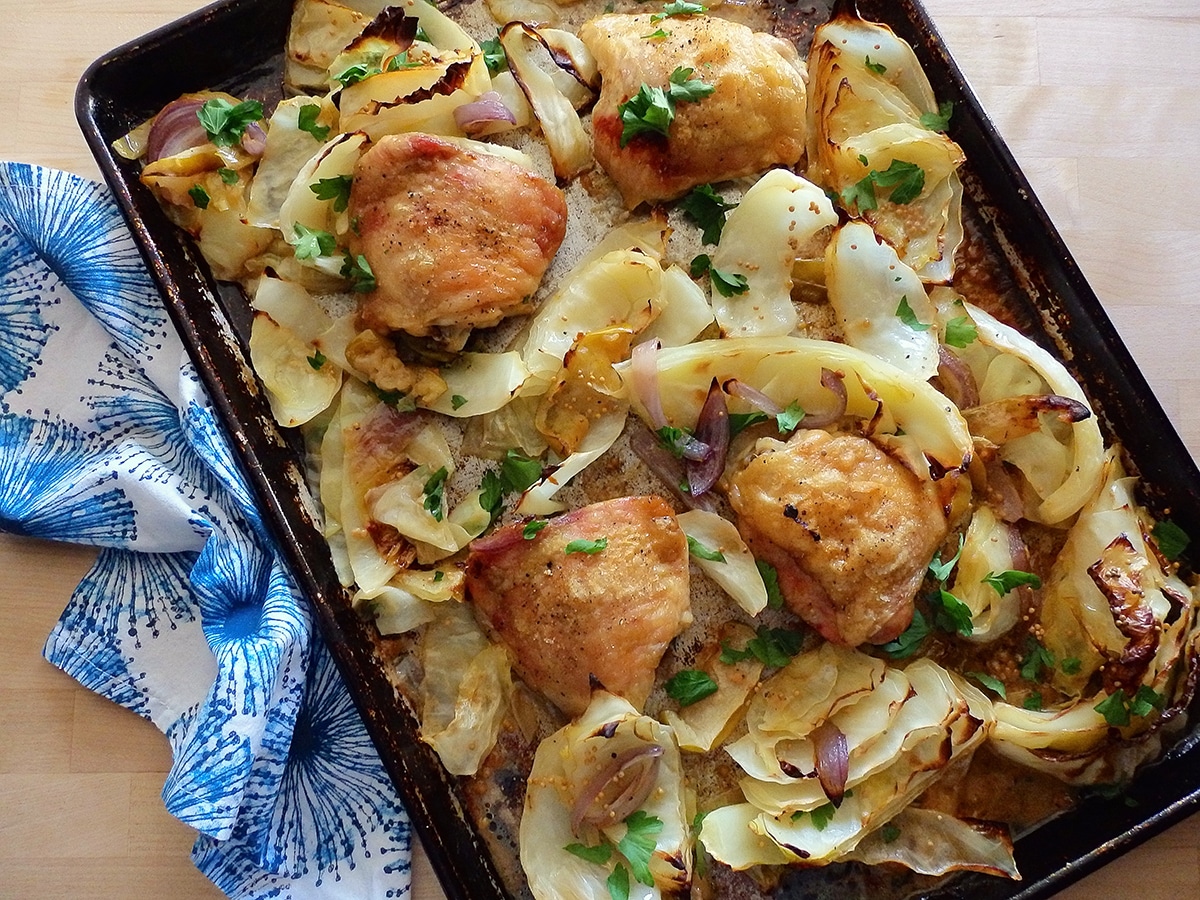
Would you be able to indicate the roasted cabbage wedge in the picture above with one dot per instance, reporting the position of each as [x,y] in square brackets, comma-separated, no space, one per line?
[576,773]
[898,729]
[871,138]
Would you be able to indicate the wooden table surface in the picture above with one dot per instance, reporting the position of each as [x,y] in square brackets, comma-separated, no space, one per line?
[1099,104]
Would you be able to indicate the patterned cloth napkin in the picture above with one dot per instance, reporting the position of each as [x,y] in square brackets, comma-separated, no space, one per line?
[188,617]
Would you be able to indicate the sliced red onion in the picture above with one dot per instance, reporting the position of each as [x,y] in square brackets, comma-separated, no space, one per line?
[1003,493]
[618,789]
[499,541]
[643,368]
[833,760]
[958,383]
[753,396]
[667,468]
[476,116]
[712,428]
[254,139]
[176,128]
[832,381]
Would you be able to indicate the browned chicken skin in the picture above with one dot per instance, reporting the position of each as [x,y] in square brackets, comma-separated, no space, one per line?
[569,616]
[754,118]
[850,530]
[455,238]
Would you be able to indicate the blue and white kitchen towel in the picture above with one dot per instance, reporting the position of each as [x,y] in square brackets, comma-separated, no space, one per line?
[188,618]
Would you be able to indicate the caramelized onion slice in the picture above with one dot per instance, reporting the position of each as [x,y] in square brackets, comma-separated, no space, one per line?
[833,760]
[618,789]
[712,429]
[176,128]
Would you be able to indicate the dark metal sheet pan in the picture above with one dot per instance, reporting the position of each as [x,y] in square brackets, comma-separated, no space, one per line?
[237,45]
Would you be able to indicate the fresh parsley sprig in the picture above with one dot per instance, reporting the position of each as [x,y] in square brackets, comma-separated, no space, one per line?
[225,122]
[652,109]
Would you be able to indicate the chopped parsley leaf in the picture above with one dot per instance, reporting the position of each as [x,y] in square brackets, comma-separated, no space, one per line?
[822,815]
[355,73]
[860,195]
[618,883]
[639,843]
[312,243]
[358,270]
[672,438]
[656,35]
[458,401]
[229,176]
[583,545]
[1037,658]
[951,614]
[907,643]
[494,56]
[199,196]
[906,180]
[940,120]
[771,646]
[1171,539]
[1071,665]
[652,109]
[336,189]
[1146,701]
[770,578]
[890,833]
[790,418]
[600,854]
[877,68]
[941,570]
[438,576]
[1010,579]
[679,8]
[739,422]
[960,332]
[905,314]
[1033,702]
[690,686]
[306,121]
[226,122]
[518,472]
[707,209]
[532,528]
[1115,709]
[396,399]
[435,493]
[698,550]
[990,682]
[491,495]
[317,360]
[728,284]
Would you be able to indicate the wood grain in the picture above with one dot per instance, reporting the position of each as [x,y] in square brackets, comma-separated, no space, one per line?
[1097,100]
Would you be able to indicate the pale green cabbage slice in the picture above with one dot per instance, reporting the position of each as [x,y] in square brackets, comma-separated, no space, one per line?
[987,550]
[1005,363]
[736,573]
[933,843]
[288,150]
[466,689]
[479,383]
[564,763]
[867,285]
[762,238]
[539,500]
[702,725]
